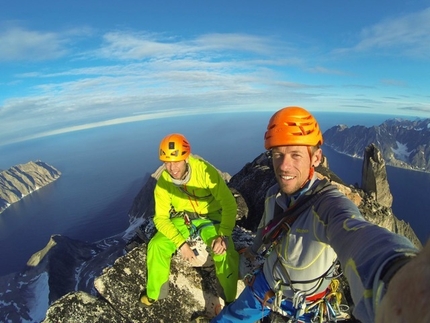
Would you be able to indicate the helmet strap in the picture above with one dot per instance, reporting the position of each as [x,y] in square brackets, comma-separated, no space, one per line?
[311,173]
[311,170]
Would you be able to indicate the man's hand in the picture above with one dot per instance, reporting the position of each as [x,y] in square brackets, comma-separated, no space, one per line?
[187,253]
[408,293]
[219,245]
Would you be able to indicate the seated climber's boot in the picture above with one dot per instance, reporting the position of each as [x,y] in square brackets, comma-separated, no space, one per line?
[145,301]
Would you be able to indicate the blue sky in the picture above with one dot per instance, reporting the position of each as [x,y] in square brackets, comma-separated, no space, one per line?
[67,65]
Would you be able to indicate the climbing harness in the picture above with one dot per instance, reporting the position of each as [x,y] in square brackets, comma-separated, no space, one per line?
[195,230]
[194,240]
[302,298]
[323,307]
[188,221]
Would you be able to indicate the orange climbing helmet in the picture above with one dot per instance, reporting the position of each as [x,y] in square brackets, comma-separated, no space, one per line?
[292,126]
[174,147]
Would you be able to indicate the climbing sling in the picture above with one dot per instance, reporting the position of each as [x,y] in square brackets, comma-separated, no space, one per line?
[189,216]
[282,221]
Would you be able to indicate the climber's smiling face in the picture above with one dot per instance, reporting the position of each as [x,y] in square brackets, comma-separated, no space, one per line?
[292,166]
[177,169]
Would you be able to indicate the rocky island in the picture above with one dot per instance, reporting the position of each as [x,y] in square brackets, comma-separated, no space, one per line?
[21,180]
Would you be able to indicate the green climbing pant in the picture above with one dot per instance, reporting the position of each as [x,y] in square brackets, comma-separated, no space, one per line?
[161,249]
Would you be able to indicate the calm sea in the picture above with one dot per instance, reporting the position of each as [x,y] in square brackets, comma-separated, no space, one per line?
[104,168]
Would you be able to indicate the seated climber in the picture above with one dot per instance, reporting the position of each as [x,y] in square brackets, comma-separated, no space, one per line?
[191,199]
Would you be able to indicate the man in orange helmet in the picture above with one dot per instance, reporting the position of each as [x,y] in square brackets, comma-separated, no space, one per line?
[191,199]
[308,225]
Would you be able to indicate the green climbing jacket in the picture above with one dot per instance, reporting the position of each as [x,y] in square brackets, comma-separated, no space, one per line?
[207,195]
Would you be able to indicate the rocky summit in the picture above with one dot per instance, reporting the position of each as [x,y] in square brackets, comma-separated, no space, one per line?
[21,180]
[72,281]
[403,143]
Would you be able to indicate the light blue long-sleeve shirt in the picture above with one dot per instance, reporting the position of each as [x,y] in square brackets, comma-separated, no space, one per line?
[332,228]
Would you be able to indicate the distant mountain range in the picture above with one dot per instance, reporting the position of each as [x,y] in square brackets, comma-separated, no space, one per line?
[403,143]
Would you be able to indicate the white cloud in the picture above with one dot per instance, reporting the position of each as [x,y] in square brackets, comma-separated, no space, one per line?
[135,73]
[18,44]
[407,35]
[324,70]
[135,46]
[149,46]
[391,82]
[235,42]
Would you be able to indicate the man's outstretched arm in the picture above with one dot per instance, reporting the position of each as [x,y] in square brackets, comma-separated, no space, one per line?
[408,293]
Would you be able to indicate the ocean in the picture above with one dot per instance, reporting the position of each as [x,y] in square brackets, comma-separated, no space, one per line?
[104,168]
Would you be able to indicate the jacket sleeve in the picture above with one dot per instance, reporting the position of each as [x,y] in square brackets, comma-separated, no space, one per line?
[363,249]
[162,216]
[221,192]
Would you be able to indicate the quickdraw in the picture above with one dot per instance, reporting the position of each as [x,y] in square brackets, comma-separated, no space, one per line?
[323,307]
[329,308]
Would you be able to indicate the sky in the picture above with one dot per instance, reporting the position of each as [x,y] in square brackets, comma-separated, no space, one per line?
[70,65]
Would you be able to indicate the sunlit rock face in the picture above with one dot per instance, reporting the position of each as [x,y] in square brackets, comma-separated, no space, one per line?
[374,176]
[73,281]
[21,180]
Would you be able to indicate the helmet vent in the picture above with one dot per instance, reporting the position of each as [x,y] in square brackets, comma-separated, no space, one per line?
[292,126]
